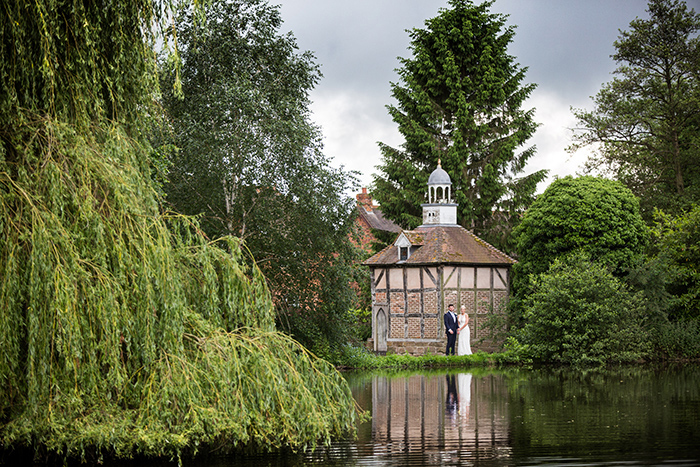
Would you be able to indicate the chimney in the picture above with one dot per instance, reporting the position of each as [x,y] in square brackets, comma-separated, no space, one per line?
[364,199]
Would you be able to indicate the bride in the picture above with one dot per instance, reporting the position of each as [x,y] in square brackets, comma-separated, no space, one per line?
[463,346]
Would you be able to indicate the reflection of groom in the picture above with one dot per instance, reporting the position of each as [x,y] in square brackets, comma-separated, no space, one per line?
[451,403]
[451,329]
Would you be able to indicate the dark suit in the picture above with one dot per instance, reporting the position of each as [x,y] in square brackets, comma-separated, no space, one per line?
[451,403]
[451,324]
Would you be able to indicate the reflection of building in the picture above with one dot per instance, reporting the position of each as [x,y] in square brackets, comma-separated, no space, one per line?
[428,268]
[415,414]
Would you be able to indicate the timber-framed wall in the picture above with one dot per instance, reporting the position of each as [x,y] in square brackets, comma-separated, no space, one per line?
[408,303]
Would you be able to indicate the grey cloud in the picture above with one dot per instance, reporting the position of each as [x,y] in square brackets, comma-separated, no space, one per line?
[566,45]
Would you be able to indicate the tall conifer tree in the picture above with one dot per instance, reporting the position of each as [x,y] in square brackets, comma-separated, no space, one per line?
[646,120]
[459,100]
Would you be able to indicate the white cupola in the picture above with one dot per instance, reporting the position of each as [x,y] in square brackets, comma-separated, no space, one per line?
[440,208]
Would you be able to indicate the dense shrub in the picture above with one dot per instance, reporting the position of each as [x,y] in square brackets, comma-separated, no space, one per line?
[677,247]
[362,324]
[680,339]
[579,313]
[595,215]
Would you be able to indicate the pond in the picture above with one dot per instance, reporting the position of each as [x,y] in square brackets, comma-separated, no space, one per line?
[624,416]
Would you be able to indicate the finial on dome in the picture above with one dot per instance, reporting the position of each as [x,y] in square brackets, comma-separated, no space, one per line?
[439,163]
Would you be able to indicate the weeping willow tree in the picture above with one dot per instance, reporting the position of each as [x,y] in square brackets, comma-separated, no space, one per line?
[123,330]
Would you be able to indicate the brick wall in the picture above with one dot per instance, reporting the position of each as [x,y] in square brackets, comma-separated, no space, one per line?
[466,298]
[414,305]
[397,302]
[416,348]
[483,301]
[380,297]
[500,300]
[431,328]
[414,328]
[365,238]
[430,301]
[397,329]
[451,296]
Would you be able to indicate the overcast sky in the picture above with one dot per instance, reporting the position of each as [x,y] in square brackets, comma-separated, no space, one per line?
[565,44]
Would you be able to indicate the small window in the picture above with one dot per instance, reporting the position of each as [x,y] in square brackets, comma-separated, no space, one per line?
[403,253]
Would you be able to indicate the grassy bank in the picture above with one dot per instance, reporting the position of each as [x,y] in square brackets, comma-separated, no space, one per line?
[349,357]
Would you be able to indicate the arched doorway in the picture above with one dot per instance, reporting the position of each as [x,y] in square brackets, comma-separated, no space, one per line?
[380,330]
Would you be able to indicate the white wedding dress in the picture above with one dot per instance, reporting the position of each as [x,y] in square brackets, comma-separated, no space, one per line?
[464,383]
[463,346]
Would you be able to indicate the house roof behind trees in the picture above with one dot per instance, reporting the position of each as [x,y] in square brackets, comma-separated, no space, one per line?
[373,215]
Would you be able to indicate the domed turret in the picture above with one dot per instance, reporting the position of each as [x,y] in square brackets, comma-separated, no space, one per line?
[439,177]
[439,186]
[440,209]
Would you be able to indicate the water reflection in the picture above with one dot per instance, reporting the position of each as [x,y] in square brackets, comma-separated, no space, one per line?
[552,416]
[432,415]
[631,416]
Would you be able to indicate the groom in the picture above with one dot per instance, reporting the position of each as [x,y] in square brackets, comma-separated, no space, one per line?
[451,329]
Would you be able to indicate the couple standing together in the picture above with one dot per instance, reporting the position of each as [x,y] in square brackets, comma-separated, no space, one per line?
[455,325]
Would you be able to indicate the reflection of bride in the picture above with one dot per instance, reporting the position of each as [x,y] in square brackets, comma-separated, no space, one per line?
[464,383]
[463,346]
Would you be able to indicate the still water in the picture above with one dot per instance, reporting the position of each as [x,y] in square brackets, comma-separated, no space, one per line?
[626,416]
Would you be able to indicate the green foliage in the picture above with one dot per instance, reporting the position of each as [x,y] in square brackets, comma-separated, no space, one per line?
[362,321]
[76,61]
[250,163]
[650,277]
[677,247]
[579,313]
[124,330]
[595,215]
[120,336]
[363,292]
[646,120]
[677,339]
[459,101]
[384,238]
[515,351]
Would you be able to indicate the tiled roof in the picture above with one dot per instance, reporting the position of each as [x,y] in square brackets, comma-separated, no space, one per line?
[416,237]
[443,245]
[376,220]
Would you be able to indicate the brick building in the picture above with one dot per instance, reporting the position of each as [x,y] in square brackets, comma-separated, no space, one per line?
[426,269]
[369,218]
